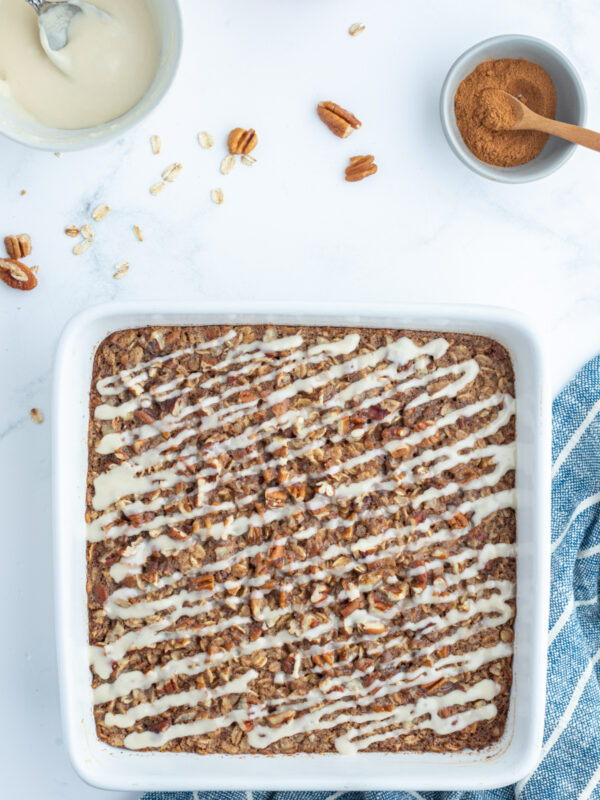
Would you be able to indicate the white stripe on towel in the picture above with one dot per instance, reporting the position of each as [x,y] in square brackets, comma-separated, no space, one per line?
[561,621]
[583,506]
[564,720]
[566,616]
[591,785]
[573,441]
[591,551]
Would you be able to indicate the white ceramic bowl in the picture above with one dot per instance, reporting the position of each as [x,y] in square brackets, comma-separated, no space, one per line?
[112,768]
[28,131]
[570,104]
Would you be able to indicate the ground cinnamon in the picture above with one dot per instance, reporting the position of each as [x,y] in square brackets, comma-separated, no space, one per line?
[482,115]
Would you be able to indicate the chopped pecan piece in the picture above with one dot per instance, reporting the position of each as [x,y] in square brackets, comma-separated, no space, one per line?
[281,717]
[320,593]
[431,687]
[144,416]
[376,412]
[275,497]
[298,491]
[350,608]
[277,553]
[202,583]
[177,534]
[458,521]
[160,726]
[373,627]
[100,593]
[256,606]
[419,582]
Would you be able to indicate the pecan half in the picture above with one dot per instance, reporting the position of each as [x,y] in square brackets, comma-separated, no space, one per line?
[17,275]
[18,246]
[337,119]
[360,167]
[241,142]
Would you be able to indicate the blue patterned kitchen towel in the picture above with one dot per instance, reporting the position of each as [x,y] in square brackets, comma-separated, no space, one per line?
[570,763]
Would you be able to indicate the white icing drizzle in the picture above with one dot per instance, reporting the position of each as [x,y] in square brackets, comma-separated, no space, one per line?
[190,698]
[172,461]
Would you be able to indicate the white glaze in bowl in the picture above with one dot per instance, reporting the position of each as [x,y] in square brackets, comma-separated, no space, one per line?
[27,130]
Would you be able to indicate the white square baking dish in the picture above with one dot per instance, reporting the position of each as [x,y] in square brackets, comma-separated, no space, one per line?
[111,768]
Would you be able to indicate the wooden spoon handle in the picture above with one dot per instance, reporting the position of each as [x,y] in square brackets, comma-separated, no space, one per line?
[572,133]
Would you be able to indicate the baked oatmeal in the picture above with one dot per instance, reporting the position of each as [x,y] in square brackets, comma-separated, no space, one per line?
[301,539]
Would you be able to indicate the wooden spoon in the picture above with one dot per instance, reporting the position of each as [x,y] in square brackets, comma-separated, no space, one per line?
[528,120]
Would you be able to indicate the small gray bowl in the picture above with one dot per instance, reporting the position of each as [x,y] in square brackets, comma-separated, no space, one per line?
[571,104]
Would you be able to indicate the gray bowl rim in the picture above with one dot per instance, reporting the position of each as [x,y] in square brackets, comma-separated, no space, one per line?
[505,174]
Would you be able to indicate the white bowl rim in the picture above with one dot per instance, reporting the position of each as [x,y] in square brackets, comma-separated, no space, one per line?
[108,131]
[507,174]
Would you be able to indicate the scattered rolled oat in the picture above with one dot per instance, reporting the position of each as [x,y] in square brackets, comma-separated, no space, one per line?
[249,161]
[156,144]
[58,155]
[138,233]
[72,231]
[121,270]
[36,415]
[101,212]
[171,172]
[217,196]
[87,231]
[81,247]
[205,139]
[157,188]
[23,192]
[356,28]
[227,164]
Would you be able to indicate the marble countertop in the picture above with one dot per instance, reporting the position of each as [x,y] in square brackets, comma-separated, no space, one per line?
[423,229]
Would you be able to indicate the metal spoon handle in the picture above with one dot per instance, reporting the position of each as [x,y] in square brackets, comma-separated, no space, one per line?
[37,4]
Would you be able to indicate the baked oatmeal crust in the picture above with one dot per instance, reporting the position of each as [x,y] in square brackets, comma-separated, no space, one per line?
[276,548]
